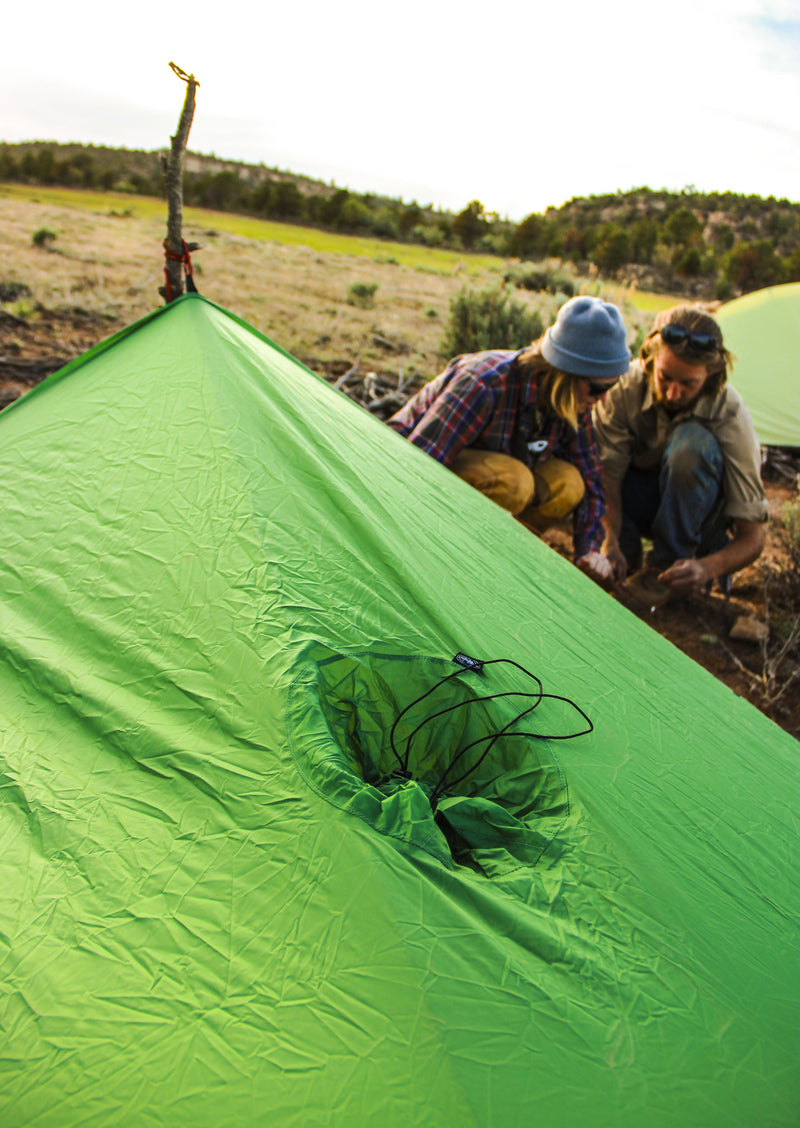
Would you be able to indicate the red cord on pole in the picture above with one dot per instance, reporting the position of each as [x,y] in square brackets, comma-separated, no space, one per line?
[184,258]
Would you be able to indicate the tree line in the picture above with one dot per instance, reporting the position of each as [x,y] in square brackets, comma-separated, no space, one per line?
[705,244]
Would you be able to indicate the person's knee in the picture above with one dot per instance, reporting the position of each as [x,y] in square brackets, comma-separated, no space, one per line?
[691,454]
[559,489]
[503,479]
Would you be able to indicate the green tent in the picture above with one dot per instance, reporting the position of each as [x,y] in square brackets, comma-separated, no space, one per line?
[762,330]
[270,856]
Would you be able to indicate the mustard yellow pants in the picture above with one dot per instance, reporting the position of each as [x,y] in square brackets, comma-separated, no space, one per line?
[538,497]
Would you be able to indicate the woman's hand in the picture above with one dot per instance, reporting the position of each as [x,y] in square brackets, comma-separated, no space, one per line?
[597,566]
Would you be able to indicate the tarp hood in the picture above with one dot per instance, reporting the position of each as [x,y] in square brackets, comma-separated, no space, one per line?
[226,592]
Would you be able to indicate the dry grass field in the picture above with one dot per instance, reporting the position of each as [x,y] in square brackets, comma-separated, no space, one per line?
[290,283]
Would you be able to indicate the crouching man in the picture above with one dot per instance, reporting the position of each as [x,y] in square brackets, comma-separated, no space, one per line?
[681,460]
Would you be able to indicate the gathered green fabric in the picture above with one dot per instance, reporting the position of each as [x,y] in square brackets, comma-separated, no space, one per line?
[249,876]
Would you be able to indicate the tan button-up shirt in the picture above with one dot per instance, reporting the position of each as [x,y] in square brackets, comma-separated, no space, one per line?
[632,430]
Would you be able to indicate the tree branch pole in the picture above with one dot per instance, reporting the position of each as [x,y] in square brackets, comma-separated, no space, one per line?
[172,165]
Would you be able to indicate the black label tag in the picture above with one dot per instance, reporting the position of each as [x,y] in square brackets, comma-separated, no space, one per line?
[469,663]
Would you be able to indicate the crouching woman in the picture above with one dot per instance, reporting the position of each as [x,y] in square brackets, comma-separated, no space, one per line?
[517,425]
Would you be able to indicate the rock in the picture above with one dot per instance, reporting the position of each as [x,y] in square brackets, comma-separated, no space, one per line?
[749,629]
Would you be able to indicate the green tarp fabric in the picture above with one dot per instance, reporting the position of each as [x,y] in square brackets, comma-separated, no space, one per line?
[225,895]
[762,330]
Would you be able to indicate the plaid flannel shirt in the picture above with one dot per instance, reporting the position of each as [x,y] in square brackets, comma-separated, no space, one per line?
[477,402]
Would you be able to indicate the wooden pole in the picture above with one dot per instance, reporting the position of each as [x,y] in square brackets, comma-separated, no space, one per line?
[172,165]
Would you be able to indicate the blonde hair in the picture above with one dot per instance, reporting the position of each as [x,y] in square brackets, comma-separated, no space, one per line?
[557,391]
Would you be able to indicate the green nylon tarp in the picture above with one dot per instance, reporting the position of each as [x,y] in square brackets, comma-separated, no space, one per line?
[225,898]
[762,330]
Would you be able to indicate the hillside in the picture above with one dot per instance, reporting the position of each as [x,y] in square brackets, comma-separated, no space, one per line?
[709,245]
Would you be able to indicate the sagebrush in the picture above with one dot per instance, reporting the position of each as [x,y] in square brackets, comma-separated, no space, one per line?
[489,319]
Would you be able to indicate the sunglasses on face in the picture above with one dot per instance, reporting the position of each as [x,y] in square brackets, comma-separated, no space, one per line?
[699,342]
[597,390]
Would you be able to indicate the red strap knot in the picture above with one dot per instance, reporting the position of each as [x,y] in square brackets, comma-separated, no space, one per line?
[171,256]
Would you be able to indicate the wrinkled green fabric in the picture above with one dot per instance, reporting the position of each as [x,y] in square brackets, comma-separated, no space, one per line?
[762,330]
[216,907]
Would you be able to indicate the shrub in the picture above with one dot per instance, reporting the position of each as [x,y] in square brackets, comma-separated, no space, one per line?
[781,577]
[23,308]
[690,263]
[532,236]
[533,279]
[287,200]
[362,294]
[752,266]
[385,224]
[471,223]
[43,237]
[563,285]
[546,277]
[355,216]
[612,247]
[492,244]
[432,236]
[12,291]
[790,514]
[489,319]
[635,344]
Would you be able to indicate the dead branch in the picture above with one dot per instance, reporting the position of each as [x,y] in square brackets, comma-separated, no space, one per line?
[767,680]
[756,679]
[346,378]
[386,405]
[772,662]
[773,698]
[380,393]
[173,183]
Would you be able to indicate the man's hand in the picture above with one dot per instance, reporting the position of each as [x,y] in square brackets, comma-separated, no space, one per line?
[616,558]
[597,567]
[685,576]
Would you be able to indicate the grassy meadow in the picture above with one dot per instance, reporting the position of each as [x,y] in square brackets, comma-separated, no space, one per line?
[291,283]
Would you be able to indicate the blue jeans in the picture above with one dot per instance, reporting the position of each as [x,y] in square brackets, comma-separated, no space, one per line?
[680,505]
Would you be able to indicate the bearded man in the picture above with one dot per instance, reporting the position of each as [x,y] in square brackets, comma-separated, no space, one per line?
[681,460]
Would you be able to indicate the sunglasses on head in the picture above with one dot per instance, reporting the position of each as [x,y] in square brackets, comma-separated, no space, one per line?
[699,342]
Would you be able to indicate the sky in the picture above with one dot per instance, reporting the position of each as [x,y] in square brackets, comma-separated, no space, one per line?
[521,106]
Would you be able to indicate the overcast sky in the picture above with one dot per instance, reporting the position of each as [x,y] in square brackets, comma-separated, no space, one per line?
[519,105]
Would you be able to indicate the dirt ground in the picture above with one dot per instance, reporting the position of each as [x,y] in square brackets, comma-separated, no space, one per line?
[32,348]
[701,626]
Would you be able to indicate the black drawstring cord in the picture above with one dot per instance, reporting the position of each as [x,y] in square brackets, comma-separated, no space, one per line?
[493,737]
[461,705]
[477,666]
[474,701]
[404,763]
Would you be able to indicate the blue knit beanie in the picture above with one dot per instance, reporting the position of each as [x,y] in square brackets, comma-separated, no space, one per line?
[588,339]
